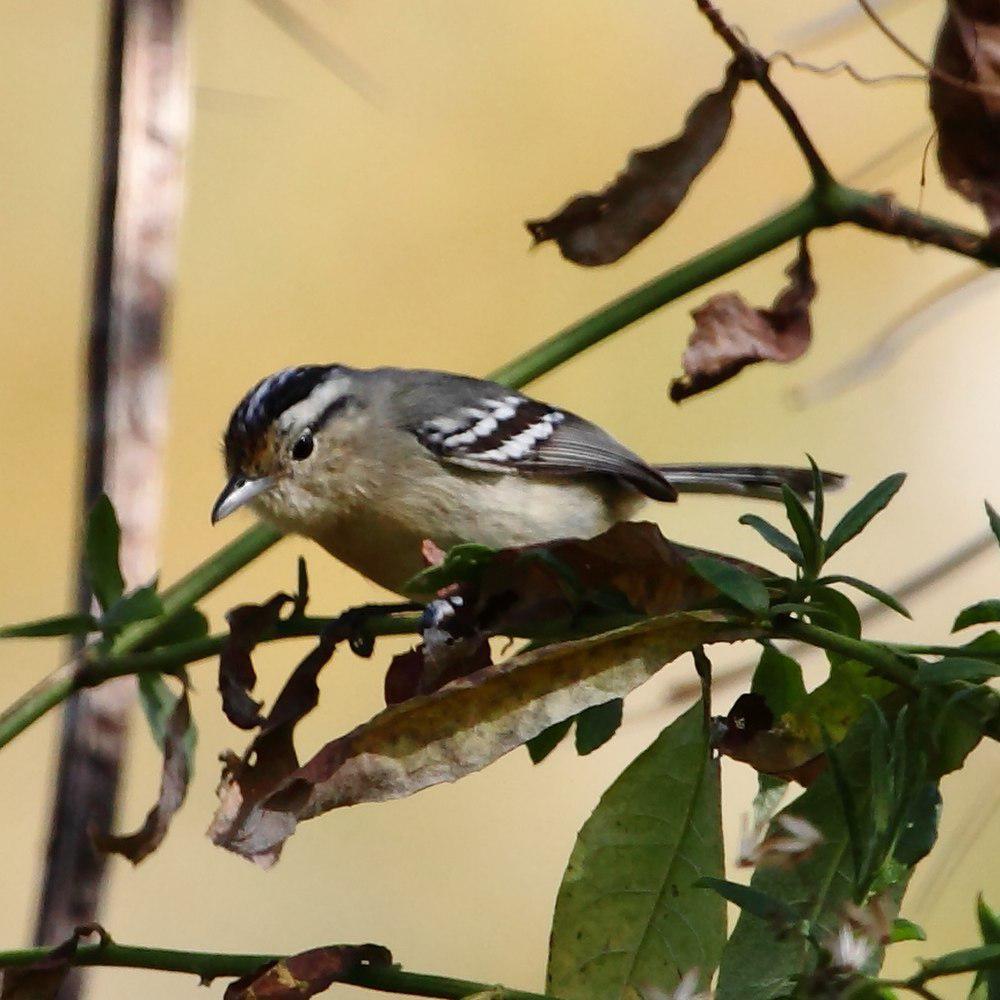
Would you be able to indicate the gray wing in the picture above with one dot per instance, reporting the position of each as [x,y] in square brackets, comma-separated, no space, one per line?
[481,425]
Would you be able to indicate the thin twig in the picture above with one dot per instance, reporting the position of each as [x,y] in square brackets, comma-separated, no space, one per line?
[939,74]
[758,69]
[843,66]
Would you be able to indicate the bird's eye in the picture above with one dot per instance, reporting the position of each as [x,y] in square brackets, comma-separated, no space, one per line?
[303,447]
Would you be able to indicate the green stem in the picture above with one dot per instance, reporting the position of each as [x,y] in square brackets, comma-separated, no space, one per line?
[209,965]
[95,669]
[170,658]
[884,661]
[203,579]
[752,243]
[883,214]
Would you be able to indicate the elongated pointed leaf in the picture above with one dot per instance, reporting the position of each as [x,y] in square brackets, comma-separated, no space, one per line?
[978,614]
[994,520]
[629,915]
[818,497]
[101,544]
[858,517]
[774,537]
[957,668]
[45,628]
[778,913]
[984,958]
[872,591]
[737,584]
[805,530]
[456,730]
[757,965]
[987,984]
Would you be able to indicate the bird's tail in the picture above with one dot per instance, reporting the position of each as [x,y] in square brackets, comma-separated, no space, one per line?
[763,481]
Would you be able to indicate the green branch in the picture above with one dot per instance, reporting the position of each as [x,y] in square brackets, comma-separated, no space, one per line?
[800,218]
[211,965]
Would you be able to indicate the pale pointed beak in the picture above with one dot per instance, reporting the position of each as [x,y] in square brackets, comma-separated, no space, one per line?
[238,492]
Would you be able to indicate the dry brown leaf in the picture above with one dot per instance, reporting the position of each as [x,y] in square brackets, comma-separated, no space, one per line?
[308,973]
[247,625]
[600,228]
[968,118]
[749,733]
[729,334]
[457,730]
[173,789]
[557,585]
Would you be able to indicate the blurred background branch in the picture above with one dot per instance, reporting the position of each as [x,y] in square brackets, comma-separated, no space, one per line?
[145,131]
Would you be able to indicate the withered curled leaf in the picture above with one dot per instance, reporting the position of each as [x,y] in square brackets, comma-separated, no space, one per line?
[173,789]
[560,589]
[457,730]
[729,334]
[271,757]
[965,103]
[594,229]
[308,973]
[248,624]
[558,586]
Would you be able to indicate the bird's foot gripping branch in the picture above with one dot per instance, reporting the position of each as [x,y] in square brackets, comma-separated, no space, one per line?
[869,744]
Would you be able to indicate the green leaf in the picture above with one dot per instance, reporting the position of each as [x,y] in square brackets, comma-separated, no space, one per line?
[777,913]
[989,921]
[188,625]
[985,958]
[906,930]
[100,553]
[978,614]
[158,703]
[871,590]
[48,627]
[597,724]
[858,517]
[778,680]
[994,520]
[817,495]
[958,724]
[840,606]
[773,536]
[628,915]
[461,563]
[135,606]
[987,984]
[957,668]
[805,531]
[758,966]
[735,583]
[919,828]
[540,746]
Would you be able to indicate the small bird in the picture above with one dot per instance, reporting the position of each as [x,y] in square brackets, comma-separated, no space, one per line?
[371,463]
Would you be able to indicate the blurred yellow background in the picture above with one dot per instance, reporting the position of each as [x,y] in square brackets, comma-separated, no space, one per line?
[385,227]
